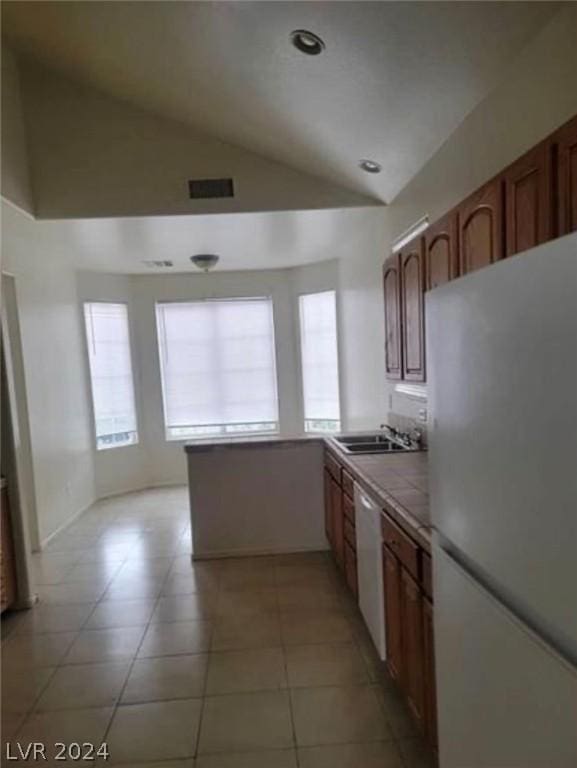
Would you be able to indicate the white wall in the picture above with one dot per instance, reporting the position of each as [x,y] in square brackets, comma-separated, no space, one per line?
[536,95]
[59,416]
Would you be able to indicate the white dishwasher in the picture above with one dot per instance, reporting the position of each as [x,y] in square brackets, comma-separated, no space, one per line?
[370,567]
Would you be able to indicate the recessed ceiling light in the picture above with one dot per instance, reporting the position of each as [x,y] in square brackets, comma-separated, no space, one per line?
[370,166]
[307,42]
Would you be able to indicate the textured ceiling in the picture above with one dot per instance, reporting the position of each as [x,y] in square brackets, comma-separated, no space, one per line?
[395,80]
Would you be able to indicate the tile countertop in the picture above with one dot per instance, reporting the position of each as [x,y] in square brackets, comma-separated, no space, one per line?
[258,441]
[397,481]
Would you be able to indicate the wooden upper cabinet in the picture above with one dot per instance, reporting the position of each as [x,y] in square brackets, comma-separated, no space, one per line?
[528,200]
[392,293]
[441,251]
[413,310]
[481,228]
[566,140]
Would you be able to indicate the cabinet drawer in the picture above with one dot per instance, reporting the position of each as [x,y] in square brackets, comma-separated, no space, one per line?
[402,545]
[349,508]
[333,467]
[427,580]
[348,484]
[350,534]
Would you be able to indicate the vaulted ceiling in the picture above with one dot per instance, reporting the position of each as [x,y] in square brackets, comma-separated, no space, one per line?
[395,80]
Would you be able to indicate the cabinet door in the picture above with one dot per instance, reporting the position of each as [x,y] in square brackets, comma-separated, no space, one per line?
[392,293]
[7,561]
[441,251]
[328,507]
[337,523]
[528,197]
[412,679]
[392,577]
[351,568]
[481,228]
[412,311]
[566,139]
[430,687]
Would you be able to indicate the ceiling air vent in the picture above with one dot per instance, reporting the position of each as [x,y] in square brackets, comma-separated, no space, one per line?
[203,189]
[158,264]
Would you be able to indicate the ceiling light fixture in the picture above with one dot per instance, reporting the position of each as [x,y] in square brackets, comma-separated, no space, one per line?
[370,166]
[307,42]
[205,261]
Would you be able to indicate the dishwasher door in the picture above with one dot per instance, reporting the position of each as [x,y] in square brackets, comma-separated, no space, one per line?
[370,567]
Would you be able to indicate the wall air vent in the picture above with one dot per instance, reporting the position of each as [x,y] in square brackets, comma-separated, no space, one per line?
[158,264]
[204,189]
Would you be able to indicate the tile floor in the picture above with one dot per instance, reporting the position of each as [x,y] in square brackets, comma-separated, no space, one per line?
[244,663]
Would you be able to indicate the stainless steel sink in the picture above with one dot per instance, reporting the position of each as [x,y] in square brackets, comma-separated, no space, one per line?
[372,439]
[371,443]
[376,448]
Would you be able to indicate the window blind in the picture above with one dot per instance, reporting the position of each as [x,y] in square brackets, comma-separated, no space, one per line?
[108,342]
[319,358]
[218,367]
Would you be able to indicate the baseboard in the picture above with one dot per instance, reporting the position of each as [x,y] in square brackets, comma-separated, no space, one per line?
[64,526]
[223,554]
[138,489]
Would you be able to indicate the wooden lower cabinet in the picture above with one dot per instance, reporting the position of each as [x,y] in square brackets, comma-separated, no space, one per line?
[351,569]
[328,507]
[429,674]
[413,666]
[340,521]
[410,648]
[393,621]
[7,561]
[338,524]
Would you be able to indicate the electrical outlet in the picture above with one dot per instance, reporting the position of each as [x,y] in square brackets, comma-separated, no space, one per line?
[68,488]
[423,414]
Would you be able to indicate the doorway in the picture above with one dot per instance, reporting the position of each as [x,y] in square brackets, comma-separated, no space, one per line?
[15,456]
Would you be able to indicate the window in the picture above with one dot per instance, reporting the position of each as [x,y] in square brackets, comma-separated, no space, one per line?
[108,342]
[218,368]
[320,364]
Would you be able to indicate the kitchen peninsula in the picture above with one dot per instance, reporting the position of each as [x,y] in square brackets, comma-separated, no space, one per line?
[265,495]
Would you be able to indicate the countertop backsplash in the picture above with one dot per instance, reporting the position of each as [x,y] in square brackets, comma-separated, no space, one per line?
[407,424]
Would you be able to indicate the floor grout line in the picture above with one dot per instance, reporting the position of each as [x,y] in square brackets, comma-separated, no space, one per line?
[331,582]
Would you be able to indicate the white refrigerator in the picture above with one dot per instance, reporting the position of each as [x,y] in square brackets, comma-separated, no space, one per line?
[502,374]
